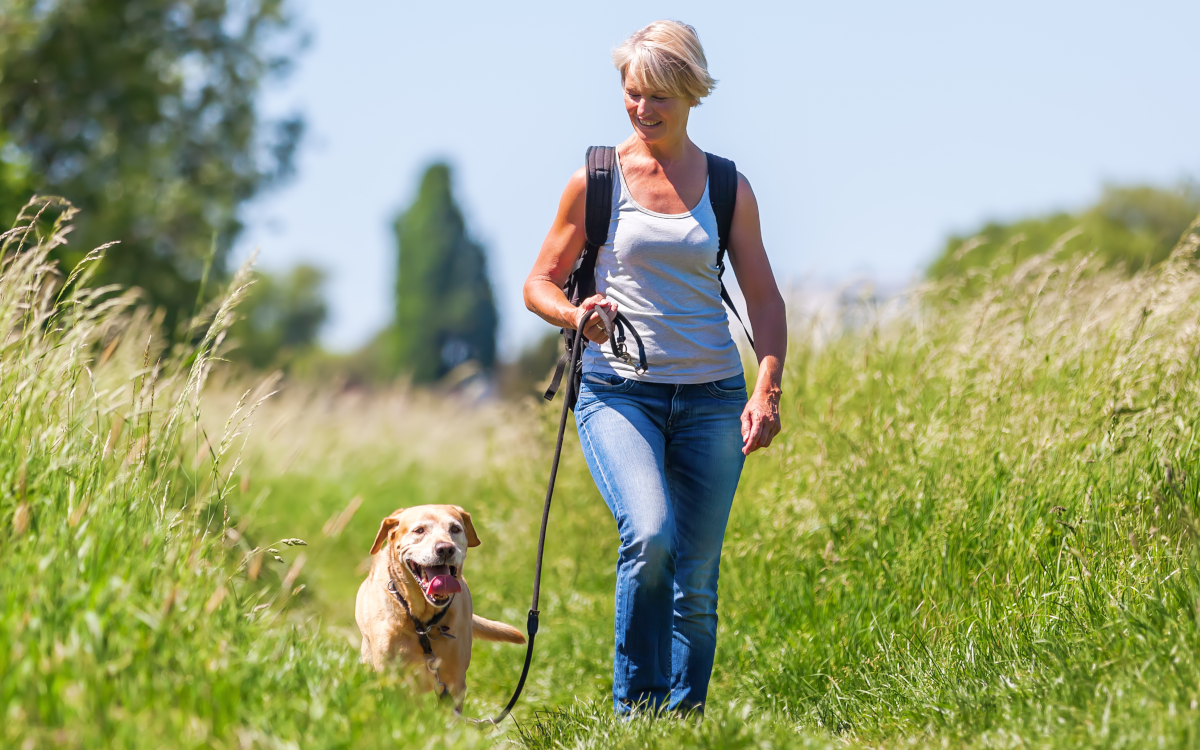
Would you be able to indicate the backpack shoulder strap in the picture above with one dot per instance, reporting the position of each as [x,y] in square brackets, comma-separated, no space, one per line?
[722,193]
[597,203]
[601,161]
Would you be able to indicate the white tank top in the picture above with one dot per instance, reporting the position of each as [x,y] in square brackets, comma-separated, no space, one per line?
[661,269]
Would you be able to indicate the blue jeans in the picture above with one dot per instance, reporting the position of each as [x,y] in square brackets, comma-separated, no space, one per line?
[667,459]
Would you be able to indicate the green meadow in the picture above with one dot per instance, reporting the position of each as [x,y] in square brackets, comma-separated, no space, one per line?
[980,528]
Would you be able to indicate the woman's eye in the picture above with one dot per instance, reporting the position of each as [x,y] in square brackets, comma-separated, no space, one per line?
[455,528]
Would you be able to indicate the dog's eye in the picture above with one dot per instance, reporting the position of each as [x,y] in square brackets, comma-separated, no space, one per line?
[419,530]
[455,528]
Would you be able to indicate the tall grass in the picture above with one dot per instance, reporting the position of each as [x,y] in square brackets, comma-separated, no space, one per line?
[983,525]
[979,528]
[136,612]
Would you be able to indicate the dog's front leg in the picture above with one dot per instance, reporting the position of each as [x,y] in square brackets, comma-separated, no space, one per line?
[365,650]
[383,647]
[455,694]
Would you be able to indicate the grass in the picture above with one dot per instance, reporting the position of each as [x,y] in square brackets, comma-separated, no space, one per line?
[978,529]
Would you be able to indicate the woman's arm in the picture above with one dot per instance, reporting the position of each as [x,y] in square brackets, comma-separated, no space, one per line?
[768,320]
[560,251]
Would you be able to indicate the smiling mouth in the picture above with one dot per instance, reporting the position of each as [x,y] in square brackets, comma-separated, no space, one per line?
[648,123]
[437,582]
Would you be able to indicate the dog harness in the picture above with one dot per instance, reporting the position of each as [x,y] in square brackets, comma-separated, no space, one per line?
[424,629]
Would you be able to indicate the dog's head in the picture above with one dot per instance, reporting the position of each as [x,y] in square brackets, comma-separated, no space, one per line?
[428,544]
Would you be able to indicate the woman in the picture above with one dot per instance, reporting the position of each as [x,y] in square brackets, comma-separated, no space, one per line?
[666,447]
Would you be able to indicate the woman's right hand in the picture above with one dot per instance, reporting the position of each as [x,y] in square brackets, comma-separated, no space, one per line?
[595,327]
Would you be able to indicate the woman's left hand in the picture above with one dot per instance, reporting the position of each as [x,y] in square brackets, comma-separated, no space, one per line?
[760,421]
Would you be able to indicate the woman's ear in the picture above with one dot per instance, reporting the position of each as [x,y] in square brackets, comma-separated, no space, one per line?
[472,537]
[385,528]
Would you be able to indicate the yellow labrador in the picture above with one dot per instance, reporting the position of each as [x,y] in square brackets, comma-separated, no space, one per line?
[415,603]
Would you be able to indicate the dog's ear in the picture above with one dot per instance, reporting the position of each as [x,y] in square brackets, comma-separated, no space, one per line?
[385,528]
[472,537]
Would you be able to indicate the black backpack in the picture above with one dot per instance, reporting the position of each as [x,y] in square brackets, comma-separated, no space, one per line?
[581,284]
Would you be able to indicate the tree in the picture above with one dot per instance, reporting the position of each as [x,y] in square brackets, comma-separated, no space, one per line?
[1133,226]
[142,114]
[445,312]
[279,318]
[529,373]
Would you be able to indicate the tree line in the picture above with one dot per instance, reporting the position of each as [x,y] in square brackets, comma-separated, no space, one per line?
[1128,226]
[144,114]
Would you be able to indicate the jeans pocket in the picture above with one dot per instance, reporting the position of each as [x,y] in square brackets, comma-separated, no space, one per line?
[605,382]
[732,388]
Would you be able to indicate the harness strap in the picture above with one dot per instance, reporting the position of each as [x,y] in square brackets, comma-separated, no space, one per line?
[601,167]
[424,628]
[556,381]
[601,161]
[732,307]
[722,193]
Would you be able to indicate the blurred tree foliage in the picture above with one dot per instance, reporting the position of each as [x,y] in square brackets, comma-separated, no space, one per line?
[142,114]
[279,318]
[445,312]
[529,373]
[1133,226]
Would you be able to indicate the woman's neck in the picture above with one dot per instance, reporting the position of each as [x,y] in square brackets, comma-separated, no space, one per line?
[665,152]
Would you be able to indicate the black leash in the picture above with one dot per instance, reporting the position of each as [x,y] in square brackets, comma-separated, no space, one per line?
[617,341]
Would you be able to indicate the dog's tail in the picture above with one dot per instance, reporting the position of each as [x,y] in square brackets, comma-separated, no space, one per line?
[490,630]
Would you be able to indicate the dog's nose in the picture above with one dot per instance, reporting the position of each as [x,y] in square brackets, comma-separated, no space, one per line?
[444,550]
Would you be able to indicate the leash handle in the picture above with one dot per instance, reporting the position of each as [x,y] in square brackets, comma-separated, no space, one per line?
[606,319]
[615,324]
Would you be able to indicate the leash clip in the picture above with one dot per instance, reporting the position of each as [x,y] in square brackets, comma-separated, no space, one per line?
[629,360]
[621,352]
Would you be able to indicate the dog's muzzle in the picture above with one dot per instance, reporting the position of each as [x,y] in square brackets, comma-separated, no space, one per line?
[438,582]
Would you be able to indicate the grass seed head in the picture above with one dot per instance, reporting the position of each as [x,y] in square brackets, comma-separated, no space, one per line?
[215,600]
[21,519]
[294,571]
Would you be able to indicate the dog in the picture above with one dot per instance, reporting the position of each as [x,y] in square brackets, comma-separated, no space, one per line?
[415,605]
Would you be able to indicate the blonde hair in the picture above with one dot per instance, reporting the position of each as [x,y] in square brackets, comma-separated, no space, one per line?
[666,56]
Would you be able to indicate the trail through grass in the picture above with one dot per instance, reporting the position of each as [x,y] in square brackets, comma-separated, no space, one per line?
[979,528]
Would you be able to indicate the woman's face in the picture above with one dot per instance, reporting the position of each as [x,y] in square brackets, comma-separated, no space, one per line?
[656,116]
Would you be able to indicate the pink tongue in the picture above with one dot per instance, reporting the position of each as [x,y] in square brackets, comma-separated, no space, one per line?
[443,585]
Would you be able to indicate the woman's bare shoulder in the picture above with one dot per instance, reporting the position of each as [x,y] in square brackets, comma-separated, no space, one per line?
[572,205]
[744,185]
[746,200]
[577,185]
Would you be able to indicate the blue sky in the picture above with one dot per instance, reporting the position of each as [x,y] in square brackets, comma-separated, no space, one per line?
[869,131]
